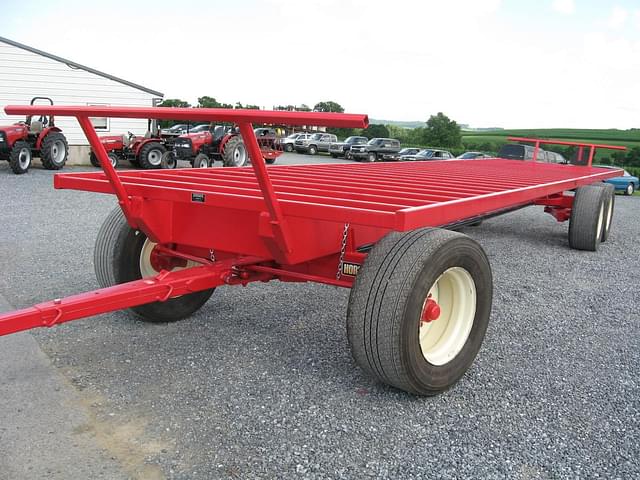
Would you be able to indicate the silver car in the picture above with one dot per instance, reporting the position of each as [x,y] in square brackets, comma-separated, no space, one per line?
[318,142]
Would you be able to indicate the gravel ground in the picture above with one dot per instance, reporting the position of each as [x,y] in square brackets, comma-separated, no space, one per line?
[260,382]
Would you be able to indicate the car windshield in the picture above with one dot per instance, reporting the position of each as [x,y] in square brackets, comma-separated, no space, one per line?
[626,174]
[199,128]
[374,141]
[353,140]
[426,153]
[469,155]
[177,128]
[407,151]
[293,136]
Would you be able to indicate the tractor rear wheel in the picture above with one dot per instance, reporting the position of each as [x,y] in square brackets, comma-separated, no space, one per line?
[123,254]
[419,309]
[20,157]
[234,152]
[588,218]
[151,155]
[54,151]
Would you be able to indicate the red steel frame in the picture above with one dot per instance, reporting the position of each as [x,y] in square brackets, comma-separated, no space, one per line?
[292,223]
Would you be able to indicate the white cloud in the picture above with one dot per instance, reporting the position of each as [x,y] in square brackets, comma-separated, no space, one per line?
[566,7]
[618,18]
[636,17]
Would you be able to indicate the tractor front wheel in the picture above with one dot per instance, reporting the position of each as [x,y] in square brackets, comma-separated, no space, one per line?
[20,157]
[419,309]
[234,153]
[54,151]
[151,155]
[123,254]
[201,161]
[94,160]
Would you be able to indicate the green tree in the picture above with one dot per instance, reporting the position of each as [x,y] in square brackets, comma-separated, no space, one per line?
[441,131]
[172,102]
[211,102]
[375,131]
[328,106]
[247,106]
[303,108]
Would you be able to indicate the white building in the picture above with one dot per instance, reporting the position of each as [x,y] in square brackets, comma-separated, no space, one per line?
[26,72]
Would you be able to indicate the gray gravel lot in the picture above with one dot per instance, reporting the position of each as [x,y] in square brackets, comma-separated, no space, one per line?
[260,382]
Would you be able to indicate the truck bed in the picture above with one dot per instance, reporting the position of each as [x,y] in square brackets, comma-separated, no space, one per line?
[397,196]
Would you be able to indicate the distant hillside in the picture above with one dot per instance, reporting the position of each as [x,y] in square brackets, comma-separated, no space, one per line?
[397,123]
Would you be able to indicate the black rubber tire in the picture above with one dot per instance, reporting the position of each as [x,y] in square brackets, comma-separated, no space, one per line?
[134,162]
[372,157]
[628,191]
[169,160]
[588,203]
[229,149]
[113,158]
[146,150]
[94,160]
[201,160]
[48,148]
[14,157]
[288,148]
[116,260]
[312,150]
[333,155]
[609,208]
[270,161]
[386,301]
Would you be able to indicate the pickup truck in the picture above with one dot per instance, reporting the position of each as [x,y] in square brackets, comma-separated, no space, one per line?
[375,149]
[341,149]
[318,142]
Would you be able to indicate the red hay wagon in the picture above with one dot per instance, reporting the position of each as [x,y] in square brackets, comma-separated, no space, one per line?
[420,293]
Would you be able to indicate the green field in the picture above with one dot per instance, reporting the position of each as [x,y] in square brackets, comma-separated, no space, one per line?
[627,138]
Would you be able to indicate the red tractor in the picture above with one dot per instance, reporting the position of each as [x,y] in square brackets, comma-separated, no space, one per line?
[141,151]
[221,143]
[22,141]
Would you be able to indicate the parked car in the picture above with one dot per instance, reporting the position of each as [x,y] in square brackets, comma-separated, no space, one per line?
[627,183]
[318,142]
[203,127]
[341,149]
[265,133]
[288,141]
[554,157]
[375,149]
[473,155]
[178,129]
[428,154]
[404,151]
[521,152]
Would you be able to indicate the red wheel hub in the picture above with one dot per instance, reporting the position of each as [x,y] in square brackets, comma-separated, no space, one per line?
[430,310]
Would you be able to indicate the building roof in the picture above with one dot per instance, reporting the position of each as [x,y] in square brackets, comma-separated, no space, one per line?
[81,67]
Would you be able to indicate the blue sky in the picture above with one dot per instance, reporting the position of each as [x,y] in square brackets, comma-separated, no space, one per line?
[547,63]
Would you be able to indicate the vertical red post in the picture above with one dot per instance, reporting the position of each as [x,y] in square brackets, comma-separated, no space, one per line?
[535,151]
[592,152]
[110,172]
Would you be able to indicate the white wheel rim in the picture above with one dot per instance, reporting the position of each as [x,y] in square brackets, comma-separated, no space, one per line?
[441,340]
[239,155]
[155,157]
[24,158]
[146,268]
[630,189]
[113,160]
[58,151]
[607,225]
[203,163]
[600,221]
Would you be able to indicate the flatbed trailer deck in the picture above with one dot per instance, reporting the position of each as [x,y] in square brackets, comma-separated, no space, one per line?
[421,295]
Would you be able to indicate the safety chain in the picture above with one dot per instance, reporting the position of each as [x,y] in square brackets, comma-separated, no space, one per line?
[343,248]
